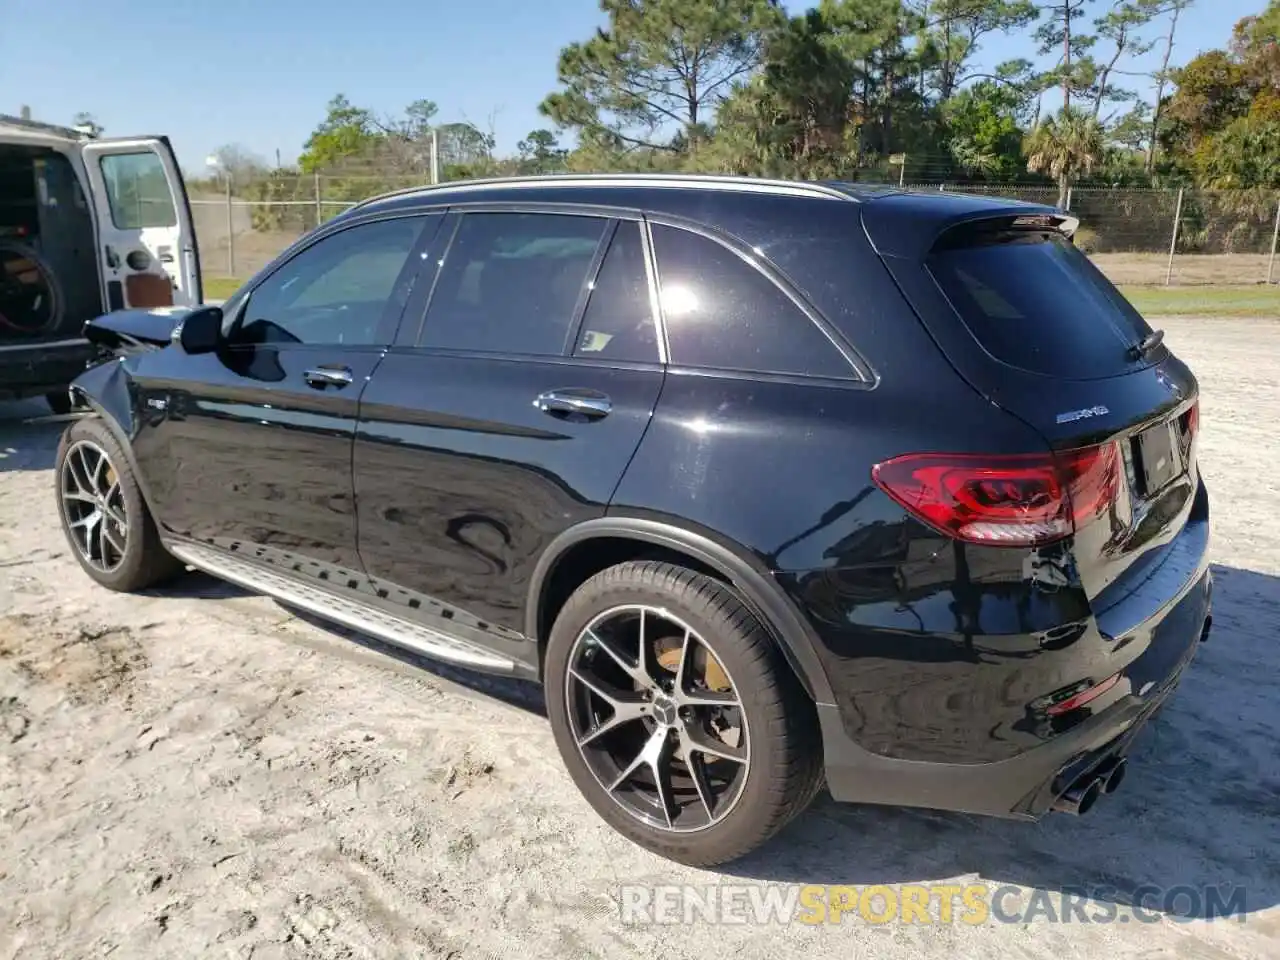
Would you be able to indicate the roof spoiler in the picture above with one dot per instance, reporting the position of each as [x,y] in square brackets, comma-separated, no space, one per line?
[909,225]
[968,231]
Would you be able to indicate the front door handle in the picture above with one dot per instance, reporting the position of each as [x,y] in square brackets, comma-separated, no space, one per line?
[574,403]
[321,377]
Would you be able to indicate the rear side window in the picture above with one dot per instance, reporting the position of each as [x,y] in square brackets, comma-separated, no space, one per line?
[618,324]
[511,282]
[1033,301]
[721,312]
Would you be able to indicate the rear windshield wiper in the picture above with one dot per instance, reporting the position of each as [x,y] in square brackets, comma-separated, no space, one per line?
[1146,345]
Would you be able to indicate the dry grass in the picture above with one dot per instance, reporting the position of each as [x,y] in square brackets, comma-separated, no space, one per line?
[1189,269]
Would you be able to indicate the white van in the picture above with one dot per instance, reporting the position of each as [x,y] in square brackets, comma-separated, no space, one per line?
[87,226]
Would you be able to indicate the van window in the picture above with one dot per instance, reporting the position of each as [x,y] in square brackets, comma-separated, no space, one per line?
[138,191]
[1033,301]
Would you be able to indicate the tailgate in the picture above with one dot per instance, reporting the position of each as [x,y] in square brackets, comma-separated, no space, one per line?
[1034,326]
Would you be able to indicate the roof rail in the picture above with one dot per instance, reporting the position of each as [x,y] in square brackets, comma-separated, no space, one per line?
[708,181]
[71,133]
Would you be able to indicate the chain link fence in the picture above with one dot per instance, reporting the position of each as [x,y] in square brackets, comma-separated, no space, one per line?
[1136,236]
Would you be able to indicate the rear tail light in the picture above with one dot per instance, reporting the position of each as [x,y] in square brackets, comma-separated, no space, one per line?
[1191,423]
[1018,500]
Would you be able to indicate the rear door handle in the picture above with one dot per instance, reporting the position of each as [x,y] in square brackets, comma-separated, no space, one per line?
[562,404]
[321,377]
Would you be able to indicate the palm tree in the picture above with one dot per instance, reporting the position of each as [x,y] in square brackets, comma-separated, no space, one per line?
[1065,147]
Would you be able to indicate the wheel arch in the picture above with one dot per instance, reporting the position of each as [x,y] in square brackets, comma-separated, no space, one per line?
[104,389]
[753,586]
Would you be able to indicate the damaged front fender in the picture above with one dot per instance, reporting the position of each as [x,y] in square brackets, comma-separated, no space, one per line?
[108,390]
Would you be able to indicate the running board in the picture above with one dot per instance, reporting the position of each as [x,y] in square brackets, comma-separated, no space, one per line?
[350,613]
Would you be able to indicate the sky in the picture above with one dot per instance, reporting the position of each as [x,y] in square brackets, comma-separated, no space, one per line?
[259,72]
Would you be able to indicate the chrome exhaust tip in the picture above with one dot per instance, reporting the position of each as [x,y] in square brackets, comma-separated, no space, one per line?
[1115,776]
[1080,796]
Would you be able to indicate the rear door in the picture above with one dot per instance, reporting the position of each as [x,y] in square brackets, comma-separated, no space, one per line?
[1036,327]
[507,412]
[146,240]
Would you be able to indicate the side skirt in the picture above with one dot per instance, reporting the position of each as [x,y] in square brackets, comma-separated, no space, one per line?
[349,612]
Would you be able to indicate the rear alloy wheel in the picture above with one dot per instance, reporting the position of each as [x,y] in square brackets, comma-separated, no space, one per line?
[104,516]
[673,749]
[676,715]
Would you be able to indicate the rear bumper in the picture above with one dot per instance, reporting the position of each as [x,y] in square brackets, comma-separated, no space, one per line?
[28,370]
[1025,785]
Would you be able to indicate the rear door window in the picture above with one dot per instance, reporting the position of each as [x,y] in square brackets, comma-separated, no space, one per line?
[511,283]
[721,312]
[618,324]
[1033,301]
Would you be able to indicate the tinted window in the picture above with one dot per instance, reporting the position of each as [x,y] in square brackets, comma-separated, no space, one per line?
[1034,301]
[335,291]
[511,282]
[138,191]
[618,324]
[722,312]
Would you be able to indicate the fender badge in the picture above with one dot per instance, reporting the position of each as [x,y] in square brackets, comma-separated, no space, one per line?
[1072,415]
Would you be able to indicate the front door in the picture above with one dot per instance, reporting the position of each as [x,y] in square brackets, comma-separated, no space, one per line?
[506,416]
[248,449]
[146,239]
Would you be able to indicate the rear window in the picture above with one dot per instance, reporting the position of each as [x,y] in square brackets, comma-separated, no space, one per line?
[1033,301]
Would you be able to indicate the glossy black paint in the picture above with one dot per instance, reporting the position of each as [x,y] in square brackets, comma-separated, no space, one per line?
[127,329]
[463,482]
[243,454]
[436,487]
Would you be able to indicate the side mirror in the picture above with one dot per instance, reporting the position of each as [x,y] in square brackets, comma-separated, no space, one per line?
[200,331]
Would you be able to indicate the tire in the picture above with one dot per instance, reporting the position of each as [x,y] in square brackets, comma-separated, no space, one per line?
[783,767]
[143,562]
[59,402]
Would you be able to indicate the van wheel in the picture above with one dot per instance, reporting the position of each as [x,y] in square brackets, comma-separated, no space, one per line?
[104,517]
[59,401]
[676,714]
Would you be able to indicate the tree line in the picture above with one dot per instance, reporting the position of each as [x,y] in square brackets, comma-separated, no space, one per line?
[855,89]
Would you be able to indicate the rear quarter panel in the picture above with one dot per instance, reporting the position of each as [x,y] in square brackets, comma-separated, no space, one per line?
[933,649]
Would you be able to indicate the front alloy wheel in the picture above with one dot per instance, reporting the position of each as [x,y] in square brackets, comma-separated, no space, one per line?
[94,507]
[103,513]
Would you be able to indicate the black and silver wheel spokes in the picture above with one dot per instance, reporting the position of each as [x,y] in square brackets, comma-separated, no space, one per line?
[657,718]
[94,506]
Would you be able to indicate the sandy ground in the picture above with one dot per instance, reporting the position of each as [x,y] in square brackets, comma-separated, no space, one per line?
[201,773]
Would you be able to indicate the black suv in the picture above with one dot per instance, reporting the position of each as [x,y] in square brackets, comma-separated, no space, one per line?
[768,483]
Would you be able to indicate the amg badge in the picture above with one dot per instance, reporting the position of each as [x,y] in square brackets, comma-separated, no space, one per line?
[1073,415]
